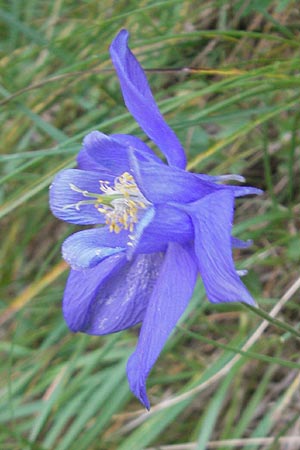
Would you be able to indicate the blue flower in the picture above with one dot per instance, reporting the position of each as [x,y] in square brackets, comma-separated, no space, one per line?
[156,227]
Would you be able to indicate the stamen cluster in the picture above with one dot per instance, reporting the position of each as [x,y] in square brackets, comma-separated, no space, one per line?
[122,211]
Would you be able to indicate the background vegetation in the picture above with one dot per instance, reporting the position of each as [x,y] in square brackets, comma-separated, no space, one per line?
[229,376]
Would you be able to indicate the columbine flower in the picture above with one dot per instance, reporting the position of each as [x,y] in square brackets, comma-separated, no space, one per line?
[157,226]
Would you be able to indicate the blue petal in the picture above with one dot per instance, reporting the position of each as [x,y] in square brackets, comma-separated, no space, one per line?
[140,102]
[112,153]
[82,289]
[212,217]
[168,301]
[220,178]
[107,152]
[238,243]
[161,183]
[158,227]
[170,224]
[85,249]
[240,191]
[111,296]
[64,201]
[86,162]
[136,236]
[230,177]
[133,143]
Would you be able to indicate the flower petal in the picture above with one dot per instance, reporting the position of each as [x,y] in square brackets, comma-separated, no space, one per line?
[83,287]
[87,248]
[241,191]
[168,301]
[238,243]
[136,236]
[86,162]
[65,201]
[140,101]
[102,152]
[221,178]
[170,224]
[107,152]
[136,145]
[159,226]
[212,218]
[160,183]
[111,296]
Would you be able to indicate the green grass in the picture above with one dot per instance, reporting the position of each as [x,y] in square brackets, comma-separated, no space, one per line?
[229,375]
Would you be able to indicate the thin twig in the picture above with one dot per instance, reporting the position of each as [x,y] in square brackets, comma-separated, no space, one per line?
[96,71]
[231,443]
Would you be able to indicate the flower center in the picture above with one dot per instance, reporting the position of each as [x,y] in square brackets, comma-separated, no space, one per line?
[120,204]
